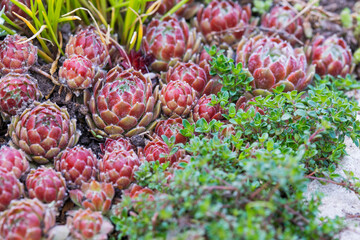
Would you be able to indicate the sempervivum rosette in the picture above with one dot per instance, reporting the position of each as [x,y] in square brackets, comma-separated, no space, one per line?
[10,188]
[17,91]
[77,165]
[13,160]
[118,167]
[125,105]
[43,131]
[16,56]
[77,73]
[278,19]
[169,41]
[83,225]
[204,109]
[223,21]
[158,150]
[27,219]
[87,42]
[171,127]
[189,72]
[95,195]
[273,62]
[177,98]
[331,56]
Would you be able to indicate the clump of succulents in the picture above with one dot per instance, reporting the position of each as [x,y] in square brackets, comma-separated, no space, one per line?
[278,19]
[273,62]
[158,150]
[17,54]
[123,106]
[17,91]
[43,131]
[330,56]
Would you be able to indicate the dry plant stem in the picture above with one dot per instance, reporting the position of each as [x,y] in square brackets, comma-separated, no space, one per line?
[347,185]
[45,74]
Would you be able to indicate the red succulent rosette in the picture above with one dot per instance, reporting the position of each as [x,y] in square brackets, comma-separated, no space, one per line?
[204,109]
[169,41]
[47,185]
[87,43]
[13,160]
[189,72]
[27,219]
[16,56]
[171,127]
[123,106]
[331,56]
[273,62]
[177,98]
[17,91]
[278,19]
[10,188]
[77,165]
[224,20]
[43,131]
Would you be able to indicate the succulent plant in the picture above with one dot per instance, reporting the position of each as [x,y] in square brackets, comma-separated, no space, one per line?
[88,225]
[273,62]
[204,109]
[16,56]
[245,104]
[169,41]
[158,150]
[171,127]
[177,98]
[10,188]
[189,72]
[87,42]
[223,21]
[11,8]
[13,160]
[124,106]
[331,56]
[136,190]
[77,165]
[43,131]
[111,145]
[27,219]
[94,195]
[47,185]
[17,91]
[278,19]
[77,73]
[118,167]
